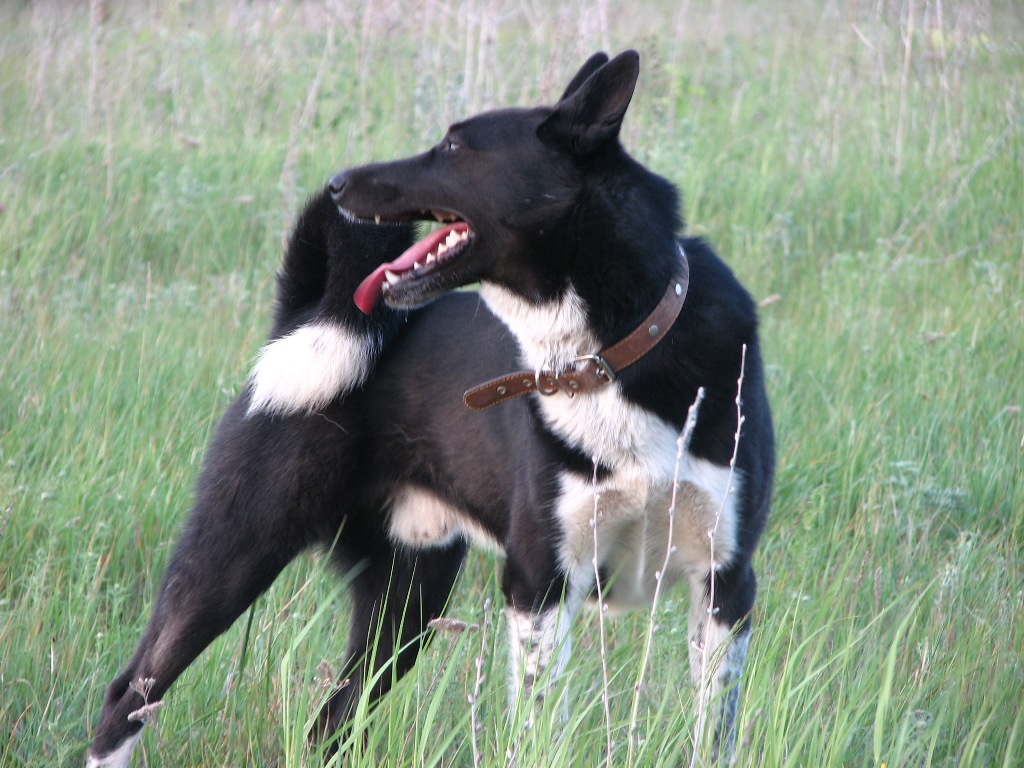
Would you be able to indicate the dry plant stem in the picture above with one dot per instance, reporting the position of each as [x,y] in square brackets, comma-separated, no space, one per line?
[467,67]
[907,45]
[53,679]
[605,695]
[703,692]
[682,446]
[602,15]
[300,125]
[674,86]
[45,20]
[97,16]
[474,722]
[147,711]
[100,99]
[364,51]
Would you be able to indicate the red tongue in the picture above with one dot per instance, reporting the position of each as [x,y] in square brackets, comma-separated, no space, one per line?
[369,291]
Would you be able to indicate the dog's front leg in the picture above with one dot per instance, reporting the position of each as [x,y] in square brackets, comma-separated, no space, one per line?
[539,650]
[719,630]
[539,615]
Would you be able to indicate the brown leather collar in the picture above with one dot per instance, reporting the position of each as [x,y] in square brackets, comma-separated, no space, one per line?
[592,371]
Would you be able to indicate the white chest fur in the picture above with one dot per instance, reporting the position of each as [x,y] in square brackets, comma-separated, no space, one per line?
[638,528]
[644,533]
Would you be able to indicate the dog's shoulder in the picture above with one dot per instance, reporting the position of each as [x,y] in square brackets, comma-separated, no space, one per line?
[716,298]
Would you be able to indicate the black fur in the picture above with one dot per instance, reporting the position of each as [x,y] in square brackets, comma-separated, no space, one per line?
[555,205]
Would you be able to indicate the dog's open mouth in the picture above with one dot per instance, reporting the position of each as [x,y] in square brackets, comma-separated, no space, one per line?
[419,264]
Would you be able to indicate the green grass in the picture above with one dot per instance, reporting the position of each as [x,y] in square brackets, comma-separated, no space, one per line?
[861,170]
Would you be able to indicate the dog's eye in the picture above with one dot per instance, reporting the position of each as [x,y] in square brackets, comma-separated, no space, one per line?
[450,146]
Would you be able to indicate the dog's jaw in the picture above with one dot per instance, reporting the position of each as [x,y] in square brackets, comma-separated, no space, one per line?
[418,265]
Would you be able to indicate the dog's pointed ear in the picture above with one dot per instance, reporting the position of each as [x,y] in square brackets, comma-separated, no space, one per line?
[590,66]
[591,114]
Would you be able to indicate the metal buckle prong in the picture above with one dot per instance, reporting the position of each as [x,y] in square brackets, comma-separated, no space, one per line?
[601,363]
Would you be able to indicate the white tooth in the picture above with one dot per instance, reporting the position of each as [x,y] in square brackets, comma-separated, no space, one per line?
[431,258]
[416,265]
[453,238]
[385,286]
[391,276]
[376,218]
[442,249]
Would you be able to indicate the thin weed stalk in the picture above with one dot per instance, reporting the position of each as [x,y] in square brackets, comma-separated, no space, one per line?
[478,681]
[908,41]
[300,125]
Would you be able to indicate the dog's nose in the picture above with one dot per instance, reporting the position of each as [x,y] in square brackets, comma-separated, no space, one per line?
[337,184]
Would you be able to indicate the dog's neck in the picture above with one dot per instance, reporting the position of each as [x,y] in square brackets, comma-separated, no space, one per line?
[551,334]
[588,372]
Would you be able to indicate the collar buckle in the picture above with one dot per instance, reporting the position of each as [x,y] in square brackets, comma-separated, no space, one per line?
[603,368]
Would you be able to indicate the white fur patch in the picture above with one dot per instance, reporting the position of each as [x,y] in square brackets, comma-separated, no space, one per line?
[551,336]
[539,651]
[420,519]
[634,526]
[602,424]
[619,434]
[725,654]
[119,758]
[716,664]
[641,451]
[308,368]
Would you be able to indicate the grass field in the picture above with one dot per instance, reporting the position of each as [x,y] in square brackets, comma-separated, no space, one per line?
[859,164]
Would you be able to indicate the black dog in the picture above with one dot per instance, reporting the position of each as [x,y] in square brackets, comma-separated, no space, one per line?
[353,430]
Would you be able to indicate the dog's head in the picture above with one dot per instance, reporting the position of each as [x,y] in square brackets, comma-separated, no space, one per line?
[501,184]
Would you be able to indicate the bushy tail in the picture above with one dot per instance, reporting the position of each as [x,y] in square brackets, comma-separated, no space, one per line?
[321,345]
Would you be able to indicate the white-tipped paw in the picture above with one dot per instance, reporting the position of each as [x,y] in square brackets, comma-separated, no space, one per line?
[119,758]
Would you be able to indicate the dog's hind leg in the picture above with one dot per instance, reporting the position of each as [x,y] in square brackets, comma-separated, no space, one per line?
[203,592]
[218,569]
[254,503]
[718,647]
[395,594]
